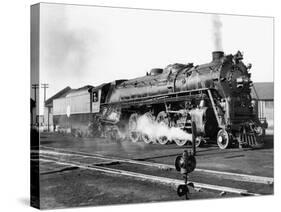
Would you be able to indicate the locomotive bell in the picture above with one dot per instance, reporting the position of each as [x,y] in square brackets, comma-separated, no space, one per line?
[185,163]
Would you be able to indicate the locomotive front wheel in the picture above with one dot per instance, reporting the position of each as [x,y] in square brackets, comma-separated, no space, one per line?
[223,139]
[180,142]
[162,118]
[146,137]
[133,133]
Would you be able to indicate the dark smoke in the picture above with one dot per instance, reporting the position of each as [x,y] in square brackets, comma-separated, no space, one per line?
[217,33]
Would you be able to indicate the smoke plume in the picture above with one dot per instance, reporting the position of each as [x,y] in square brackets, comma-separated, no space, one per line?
[156,130]
[217,33]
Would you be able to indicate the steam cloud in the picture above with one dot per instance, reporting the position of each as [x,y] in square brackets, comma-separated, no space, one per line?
[217,34]
[156,130]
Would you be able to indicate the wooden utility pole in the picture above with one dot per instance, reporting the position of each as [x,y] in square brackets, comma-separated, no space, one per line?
[45,86]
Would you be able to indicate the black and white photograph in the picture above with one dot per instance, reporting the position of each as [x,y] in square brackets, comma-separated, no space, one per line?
[139,105]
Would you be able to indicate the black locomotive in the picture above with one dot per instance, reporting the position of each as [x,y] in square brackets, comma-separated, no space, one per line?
[215,96]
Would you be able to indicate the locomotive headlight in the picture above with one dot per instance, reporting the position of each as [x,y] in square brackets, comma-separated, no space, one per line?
[239,82]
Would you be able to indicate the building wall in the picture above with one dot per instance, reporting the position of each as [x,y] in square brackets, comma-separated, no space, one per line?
[73,103]
[265,109]
[48,111]
[269,114]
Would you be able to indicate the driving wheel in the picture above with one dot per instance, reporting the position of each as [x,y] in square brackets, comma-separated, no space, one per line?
[162,118]
[133,133]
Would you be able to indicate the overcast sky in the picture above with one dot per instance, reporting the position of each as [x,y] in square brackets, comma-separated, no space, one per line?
[82,45]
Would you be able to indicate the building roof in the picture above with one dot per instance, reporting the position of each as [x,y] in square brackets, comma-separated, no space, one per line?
[86,87]
[61,93]
[64,92]
[263,91]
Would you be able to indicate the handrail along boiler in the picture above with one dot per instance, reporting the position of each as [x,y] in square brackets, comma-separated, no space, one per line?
[215,96]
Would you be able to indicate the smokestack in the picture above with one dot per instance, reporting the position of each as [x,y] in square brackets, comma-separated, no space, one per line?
[217,33]
[217,55]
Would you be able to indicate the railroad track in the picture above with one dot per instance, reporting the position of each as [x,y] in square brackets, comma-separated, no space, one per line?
[98,163]
[109,159]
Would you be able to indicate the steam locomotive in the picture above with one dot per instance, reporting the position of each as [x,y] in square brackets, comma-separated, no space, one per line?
[213,96]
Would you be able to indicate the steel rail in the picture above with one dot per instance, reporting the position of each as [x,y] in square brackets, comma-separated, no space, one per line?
[223,174]
[151,178]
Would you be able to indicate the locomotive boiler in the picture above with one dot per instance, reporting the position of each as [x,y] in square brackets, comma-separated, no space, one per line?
[214,96]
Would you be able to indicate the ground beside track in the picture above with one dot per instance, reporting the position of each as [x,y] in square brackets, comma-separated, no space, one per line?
[62,186]
[87,188]
[246,161]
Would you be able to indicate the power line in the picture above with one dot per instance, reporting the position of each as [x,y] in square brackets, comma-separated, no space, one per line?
[45,86]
